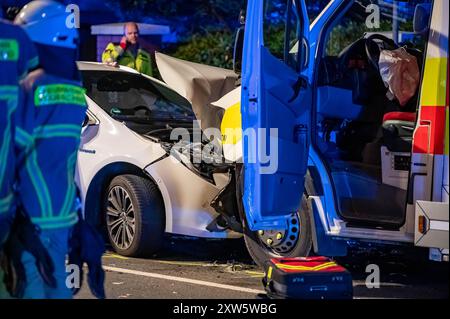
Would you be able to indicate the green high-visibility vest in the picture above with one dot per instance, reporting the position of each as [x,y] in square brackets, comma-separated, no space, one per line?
[141,62]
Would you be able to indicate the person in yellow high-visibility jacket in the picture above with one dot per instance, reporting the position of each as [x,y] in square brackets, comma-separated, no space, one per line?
[128,52]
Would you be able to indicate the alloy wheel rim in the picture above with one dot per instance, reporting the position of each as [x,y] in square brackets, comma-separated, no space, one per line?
[120,217]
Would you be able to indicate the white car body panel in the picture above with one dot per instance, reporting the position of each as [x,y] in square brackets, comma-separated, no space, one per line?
[187,197]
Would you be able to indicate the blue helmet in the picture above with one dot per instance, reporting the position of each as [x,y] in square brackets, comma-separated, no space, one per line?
[48,23]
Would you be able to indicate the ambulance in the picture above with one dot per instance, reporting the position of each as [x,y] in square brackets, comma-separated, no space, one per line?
[330,143]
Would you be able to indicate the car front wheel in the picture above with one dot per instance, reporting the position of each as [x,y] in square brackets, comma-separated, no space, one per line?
[134,216]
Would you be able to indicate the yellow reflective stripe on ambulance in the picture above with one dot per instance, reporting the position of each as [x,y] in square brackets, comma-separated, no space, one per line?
[434,84]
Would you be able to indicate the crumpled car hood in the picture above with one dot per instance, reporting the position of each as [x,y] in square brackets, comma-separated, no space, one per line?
[200,84]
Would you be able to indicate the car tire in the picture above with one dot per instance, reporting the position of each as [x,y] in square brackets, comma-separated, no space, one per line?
[261,253]
[141,218]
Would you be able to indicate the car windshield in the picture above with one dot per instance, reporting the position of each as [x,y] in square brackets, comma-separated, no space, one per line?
[133,97]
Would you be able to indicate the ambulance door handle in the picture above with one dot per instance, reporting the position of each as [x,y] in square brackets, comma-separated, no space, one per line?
[301,83]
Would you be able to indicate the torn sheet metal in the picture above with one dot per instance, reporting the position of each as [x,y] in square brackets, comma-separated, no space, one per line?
[200,84]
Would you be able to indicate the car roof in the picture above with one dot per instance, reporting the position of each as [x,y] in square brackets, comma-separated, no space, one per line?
[97,66]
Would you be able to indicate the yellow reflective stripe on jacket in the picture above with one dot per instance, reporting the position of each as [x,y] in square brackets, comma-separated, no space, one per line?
[141,63]
[5,203]
[47,131]
[111,53]
[9,50]
[26,141]
[56,221]
[23,138]
[69,199]
[9,94]
[57,130]
[39,184]
[8,90]
[59,94]
[34,172]
[269,272]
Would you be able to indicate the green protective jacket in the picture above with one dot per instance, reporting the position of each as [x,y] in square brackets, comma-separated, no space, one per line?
[142,62]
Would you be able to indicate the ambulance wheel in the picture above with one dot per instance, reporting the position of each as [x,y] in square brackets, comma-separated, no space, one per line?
[134,216]
[294,241]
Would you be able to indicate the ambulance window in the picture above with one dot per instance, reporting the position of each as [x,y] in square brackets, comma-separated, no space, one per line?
[274,24]
[315,7]
[405,20]
[282,29]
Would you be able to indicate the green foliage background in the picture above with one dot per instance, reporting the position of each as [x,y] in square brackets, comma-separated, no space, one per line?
[206,28]
[212,48]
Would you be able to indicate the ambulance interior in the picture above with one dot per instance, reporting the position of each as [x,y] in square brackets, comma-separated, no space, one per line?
[364,137]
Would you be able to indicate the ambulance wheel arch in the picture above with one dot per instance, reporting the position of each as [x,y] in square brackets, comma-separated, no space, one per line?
[296,240]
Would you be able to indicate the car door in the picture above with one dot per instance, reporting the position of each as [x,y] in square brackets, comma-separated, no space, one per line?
[276,109]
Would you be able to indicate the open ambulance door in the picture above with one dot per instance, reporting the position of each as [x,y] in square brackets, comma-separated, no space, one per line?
[276,112]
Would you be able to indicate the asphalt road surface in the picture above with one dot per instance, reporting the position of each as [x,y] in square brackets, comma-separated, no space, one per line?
[221,269]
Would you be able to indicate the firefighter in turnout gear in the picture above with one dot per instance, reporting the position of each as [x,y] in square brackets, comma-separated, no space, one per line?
[17,56]
[48,125]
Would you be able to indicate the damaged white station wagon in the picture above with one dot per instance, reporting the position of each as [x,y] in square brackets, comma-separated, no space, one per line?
[134,182]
